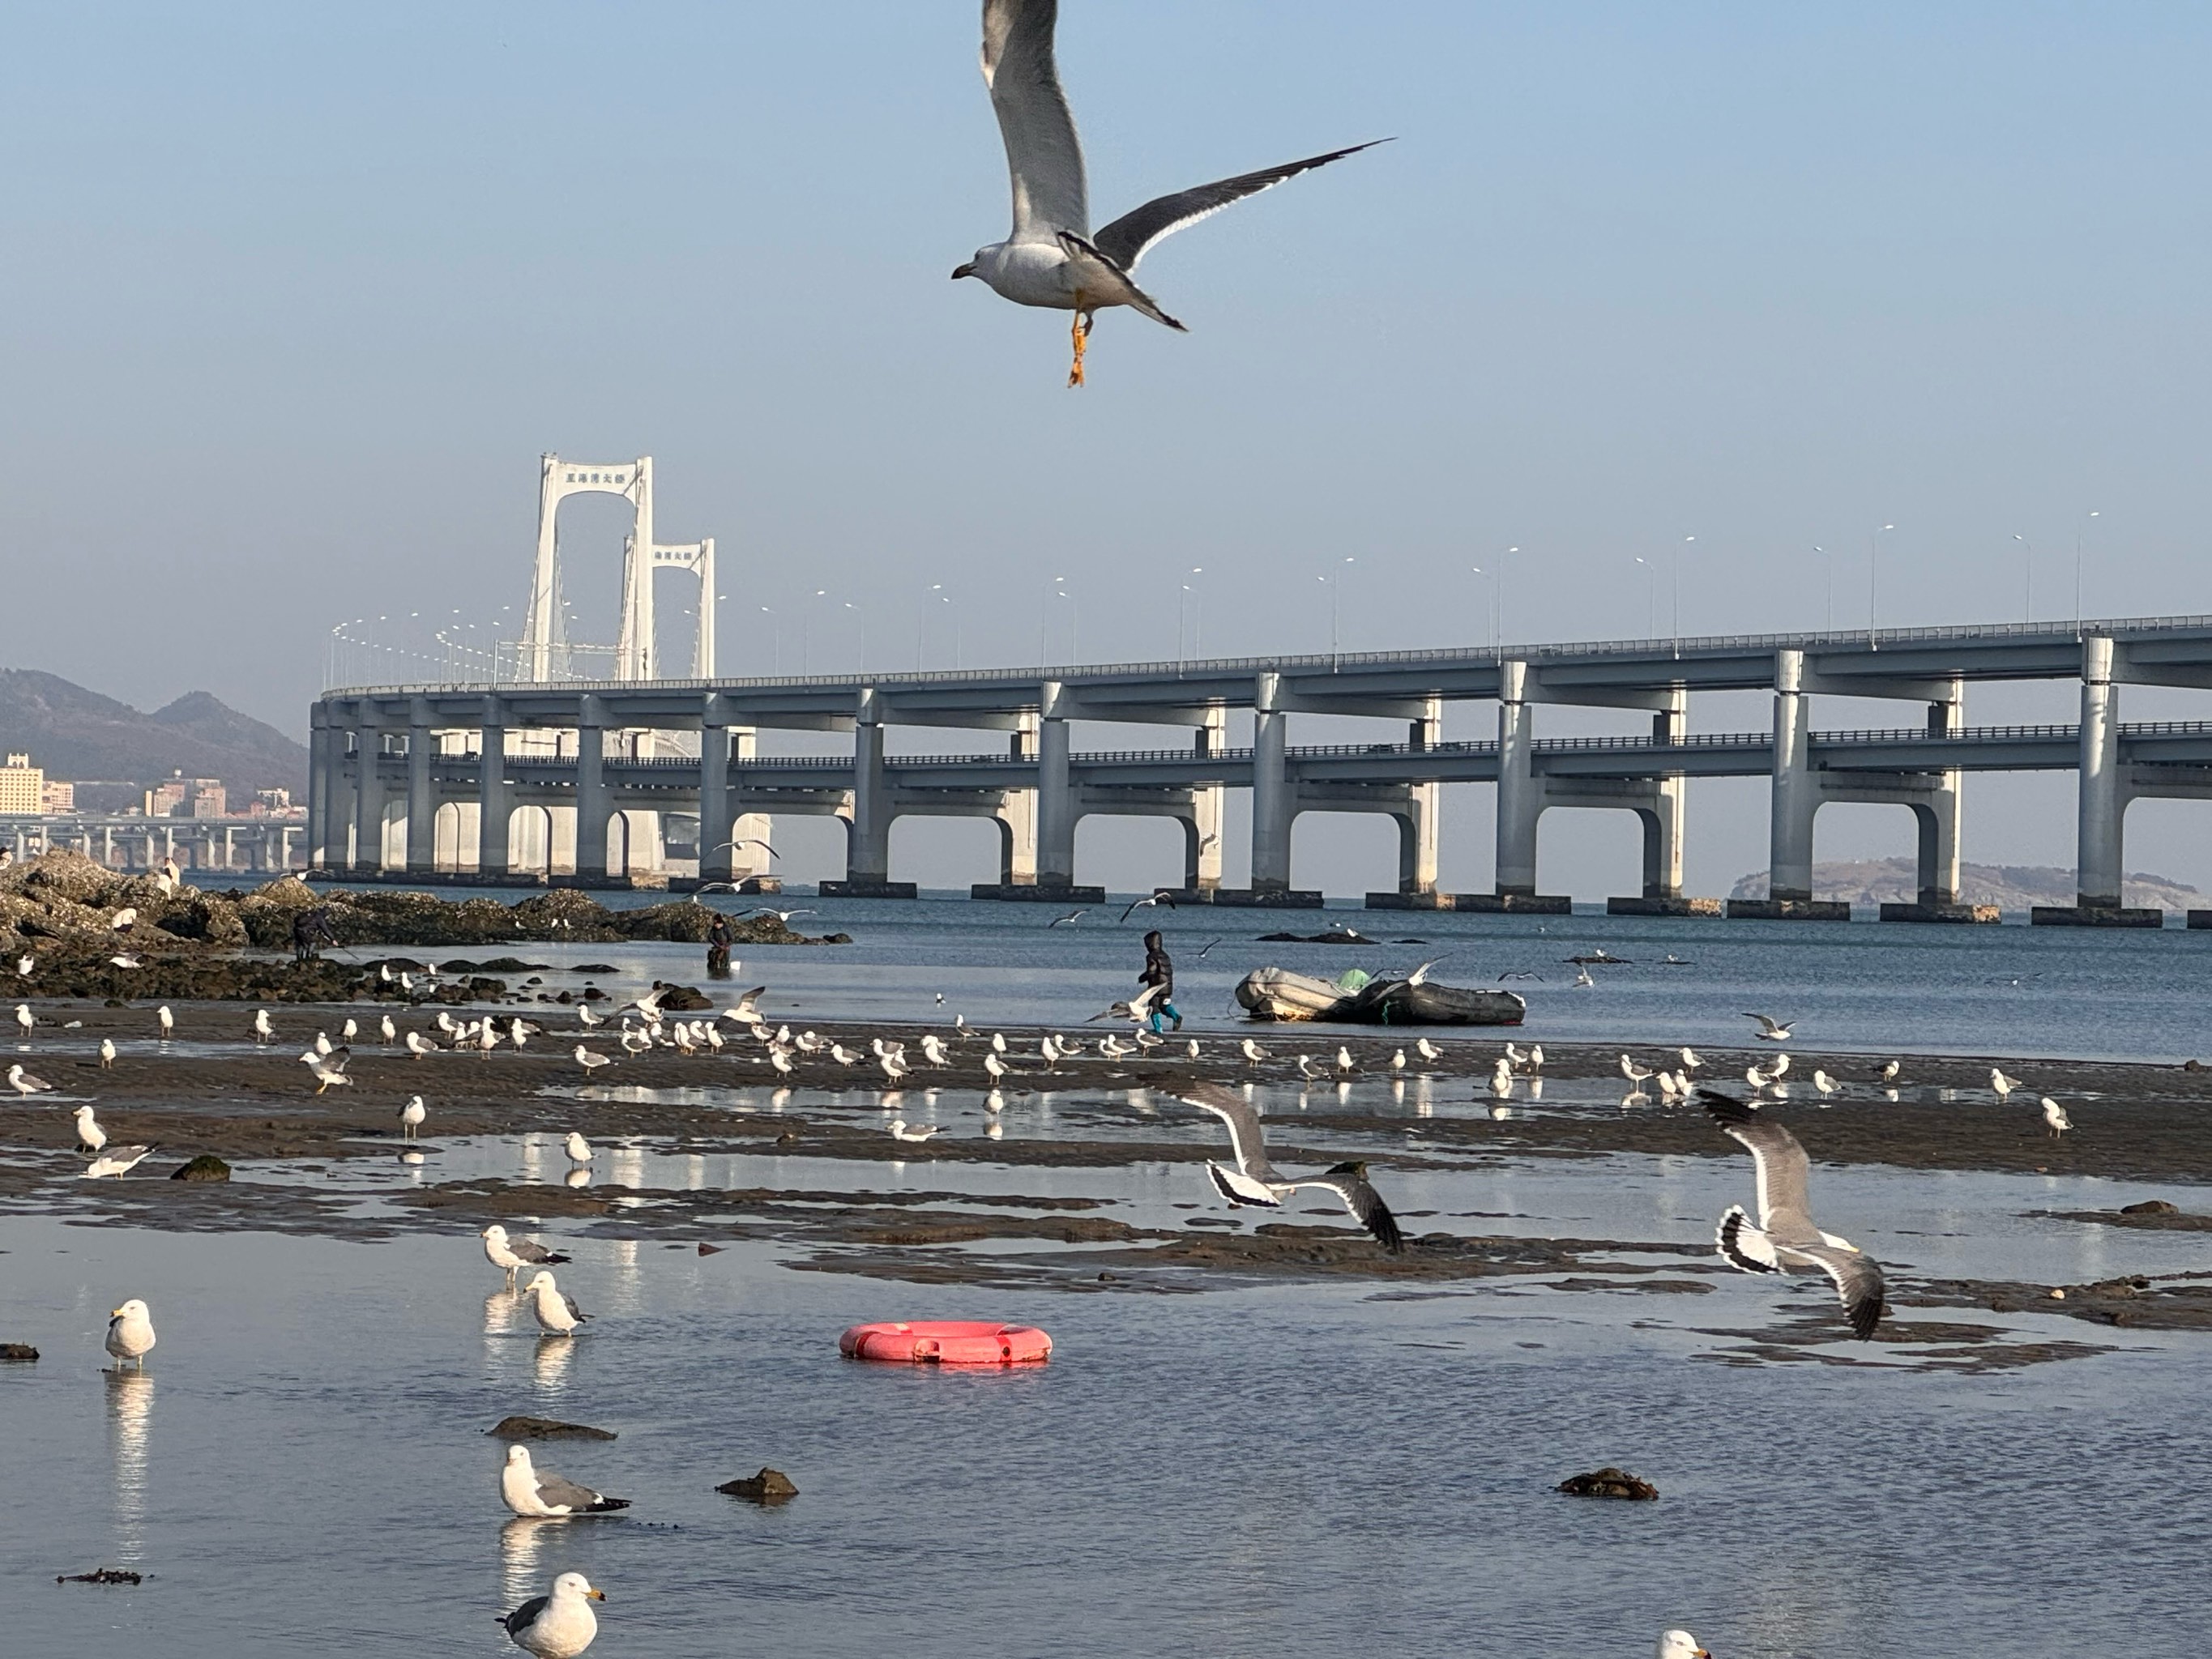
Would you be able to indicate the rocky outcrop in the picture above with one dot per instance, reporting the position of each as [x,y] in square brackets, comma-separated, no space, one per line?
[768,1486]
[1609,1482]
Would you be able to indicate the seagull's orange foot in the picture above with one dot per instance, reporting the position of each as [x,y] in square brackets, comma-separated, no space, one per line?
[1077,334]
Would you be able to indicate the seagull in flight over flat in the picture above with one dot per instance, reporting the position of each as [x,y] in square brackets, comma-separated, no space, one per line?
[1052,258]
[1255,1181]
[1785,1240]
[1772,1029]
[1147,903]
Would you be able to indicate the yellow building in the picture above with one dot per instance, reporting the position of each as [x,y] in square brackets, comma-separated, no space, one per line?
[23,789]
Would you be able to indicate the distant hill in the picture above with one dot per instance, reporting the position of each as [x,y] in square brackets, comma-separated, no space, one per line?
[78,734]
[2009,886]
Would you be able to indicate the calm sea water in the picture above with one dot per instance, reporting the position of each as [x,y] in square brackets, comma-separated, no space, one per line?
[1311,1470]
[2011,991]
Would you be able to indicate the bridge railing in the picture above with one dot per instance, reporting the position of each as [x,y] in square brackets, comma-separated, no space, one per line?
[1345,662]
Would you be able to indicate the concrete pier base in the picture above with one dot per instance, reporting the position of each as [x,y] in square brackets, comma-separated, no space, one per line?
[2094,915]
[1916,912]
[1768,909]
[1269,898]
[1519,904]
[1640,906]
[751,887]
[884,889]
[1397,901]
[637,884]
[1018,892]
[2200,918]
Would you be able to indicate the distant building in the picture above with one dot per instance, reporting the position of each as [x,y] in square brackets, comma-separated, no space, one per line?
[60,797]
[163,799]
[23,789]
[275,803]
[210,799]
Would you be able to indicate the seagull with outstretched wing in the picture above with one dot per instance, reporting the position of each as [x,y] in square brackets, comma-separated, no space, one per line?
[1785,1240]
[1254,1181]
[1052,258]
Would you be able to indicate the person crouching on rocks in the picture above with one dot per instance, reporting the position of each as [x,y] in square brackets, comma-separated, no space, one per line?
[718,948]
[1160,971]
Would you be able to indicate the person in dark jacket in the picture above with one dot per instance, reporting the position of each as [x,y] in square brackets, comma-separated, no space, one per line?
[718,948]
[1160,971]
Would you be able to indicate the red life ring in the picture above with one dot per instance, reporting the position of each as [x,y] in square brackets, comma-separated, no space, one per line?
[947,1342]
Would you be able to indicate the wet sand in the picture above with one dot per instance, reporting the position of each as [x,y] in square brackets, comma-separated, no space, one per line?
[256,1109]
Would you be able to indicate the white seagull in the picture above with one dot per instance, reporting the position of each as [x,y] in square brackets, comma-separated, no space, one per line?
[578,1149]
[2055,1115]
[23,1019]
[115,1161]
[1681,1644]
[168,1020]
[411,1117]
[262,1030]
[1052,258]
[536,1493]
[90,1137]
[24,1084]
[511,1255]
[131,1334]
[902,1130]
[1785,1239]
[1772,1029]
[590,1059]
[559,1625]
[555,1312]
[1254,1180]
[2004,1085]
[107,1053]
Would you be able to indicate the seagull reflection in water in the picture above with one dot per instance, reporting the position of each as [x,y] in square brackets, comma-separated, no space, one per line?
[130,1425]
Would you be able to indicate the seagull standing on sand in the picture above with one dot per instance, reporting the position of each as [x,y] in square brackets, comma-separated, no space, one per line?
[2002,1085]
[902,1130]
[328,1068]
[115,1161]
[1254,1180]
[511,1255]
[2055,1115]
[536,1494]
[1051,257]
[90,1137]
[559,1625]
[131,1334]
[578,1149]
[24,1084]
[106,1054]
[1785,1238]
[262,1030]
[168,1020]
[23,1019]
[556,1312]
[411,1117]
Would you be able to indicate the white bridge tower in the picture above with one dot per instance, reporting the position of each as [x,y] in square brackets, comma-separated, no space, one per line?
[545,644]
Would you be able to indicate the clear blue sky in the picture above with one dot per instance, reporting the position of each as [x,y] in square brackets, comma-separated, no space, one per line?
[295,295]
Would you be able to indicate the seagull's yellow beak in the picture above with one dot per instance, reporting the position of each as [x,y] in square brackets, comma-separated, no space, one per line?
[115,1313]
[597,1594]
[968,270]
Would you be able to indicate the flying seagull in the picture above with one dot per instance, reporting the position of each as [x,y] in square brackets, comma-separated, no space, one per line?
[1785,1238]
[1069,920]
[1772,1029]
[1051,257]
[1254,1180]
[1148,903]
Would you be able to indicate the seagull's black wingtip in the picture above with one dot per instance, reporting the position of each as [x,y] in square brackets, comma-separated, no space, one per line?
[1727,1108]
[1865,1316]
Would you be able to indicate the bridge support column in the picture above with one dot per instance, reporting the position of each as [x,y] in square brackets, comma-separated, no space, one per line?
[1795,799]
[421,795]
[1201,863]
[321,741]
[368,805]
[1273,808]
[1418,823]
[494,806]
[1938,816]
[1055,803]
[1520,799]
[2098,838]
[718,857]
[592,791]
[868,839]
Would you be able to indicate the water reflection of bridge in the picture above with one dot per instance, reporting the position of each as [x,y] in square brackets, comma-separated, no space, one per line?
[400,783]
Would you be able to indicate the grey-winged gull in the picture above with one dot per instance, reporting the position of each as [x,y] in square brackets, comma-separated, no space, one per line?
[115,1161]
[1785,1239]
[131,1334]
[1254,1181]
[556,1312]
[511,1255]
[558,1626]
[1681,1644]
[1052,258]
[539,1494]
[24,1084]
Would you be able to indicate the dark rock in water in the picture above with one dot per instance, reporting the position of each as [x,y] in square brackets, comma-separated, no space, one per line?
[17,1352]
[768,1486]
[206,1167]
[710,1249]
[593,967]
[2151,1206]
[544,1428]
[104,1576]
[681,999]
[2192,1065]
[835,938]
[1609,1482]
[1342,936]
